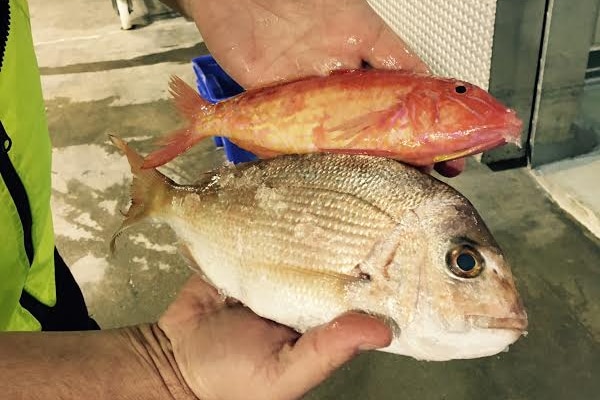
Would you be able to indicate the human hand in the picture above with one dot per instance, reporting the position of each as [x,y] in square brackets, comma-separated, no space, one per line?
[225,351]
[449,169]
[258,42]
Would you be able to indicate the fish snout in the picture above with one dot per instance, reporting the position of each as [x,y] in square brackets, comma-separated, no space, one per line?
[513,127]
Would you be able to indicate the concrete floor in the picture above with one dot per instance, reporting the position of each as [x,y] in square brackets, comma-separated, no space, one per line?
[98,79]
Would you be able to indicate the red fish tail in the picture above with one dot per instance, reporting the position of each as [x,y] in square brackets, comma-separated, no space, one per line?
[175,143]
[194,108]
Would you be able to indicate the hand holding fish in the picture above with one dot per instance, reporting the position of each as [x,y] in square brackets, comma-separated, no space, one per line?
[259,42]
[303,239]
[227,351]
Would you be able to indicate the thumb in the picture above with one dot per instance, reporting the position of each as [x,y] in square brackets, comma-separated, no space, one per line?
[322,350]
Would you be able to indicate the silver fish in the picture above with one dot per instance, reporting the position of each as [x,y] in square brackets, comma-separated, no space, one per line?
[301,239]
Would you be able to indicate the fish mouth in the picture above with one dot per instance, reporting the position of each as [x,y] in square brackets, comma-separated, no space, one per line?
[514,123]
[509,323]
[511,129]
[497,136]
[471,150]
[494,135]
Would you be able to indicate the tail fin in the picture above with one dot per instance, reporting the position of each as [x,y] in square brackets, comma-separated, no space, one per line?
[192,107]
[149,190]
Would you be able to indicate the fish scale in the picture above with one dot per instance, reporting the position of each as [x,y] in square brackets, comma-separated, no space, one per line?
[349,235]
[370,179]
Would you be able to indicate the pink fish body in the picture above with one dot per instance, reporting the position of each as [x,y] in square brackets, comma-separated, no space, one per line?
[416,119]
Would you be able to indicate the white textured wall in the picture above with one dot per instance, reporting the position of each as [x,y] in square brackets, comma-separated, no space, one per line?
[453,36]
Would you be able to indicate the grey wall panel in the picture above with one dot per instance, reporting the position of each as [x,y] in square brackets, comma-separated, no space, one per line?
[568,38]
[515,62]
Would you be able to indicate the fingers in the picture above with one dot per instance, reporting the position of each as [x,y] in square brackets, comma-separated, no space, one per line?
[391,52]
[322,350]
[449,169]
[452,168]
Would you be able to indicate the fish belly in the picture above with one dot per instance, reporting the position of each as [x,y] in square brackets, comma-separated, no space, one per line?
[288,295]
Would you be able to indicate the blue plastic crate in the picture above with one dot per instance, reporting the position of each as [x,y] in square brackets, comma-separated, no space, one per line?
[215,85]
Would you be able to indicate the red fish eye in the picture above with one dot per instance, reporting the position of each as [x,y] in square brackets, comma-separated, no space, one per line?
[460,89]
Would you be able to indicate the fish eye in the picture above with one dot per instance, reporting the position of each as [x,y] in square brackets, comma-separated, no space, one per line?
[465,262]
[460,89]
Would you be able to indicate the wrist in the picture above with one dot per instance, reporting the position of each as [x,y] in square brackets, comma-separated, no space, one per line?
[154,348]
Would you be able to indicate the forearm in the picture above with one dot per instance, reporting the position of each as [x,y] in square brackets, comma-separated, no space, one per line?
[128,363]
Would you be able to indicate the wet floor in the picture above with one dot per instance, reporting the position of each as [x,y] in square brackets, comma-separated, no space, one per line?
[99,80]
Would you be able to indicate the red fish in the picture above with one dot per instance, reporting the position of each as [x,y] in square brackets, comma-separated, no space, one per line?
[416,119]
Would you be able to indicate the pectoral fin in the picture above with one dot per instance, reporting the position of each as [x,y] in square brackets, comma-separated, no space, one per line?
[383,256]
[358,130]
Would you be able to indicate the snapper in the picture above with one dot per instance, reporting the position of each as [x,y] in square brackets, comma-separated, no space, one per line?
[301,239]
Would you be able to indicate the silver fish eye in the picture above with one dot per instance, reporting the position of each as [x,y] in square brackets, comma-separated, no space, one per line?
[465,261]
